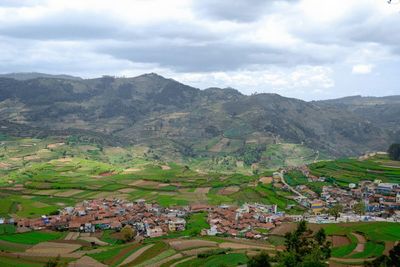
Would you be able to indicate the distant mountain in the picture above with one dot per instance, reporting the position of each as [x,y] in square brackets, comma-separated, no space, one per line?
[382,111]
[185,121]
[33,75]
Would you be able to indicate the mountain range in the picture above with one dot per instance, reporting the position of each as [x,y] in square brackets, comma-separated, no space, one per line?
[185,121]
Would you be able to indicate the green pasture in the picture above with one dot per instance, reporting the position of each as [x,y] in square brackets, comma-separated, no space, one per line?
[232,259]
[31,238]
[375,231]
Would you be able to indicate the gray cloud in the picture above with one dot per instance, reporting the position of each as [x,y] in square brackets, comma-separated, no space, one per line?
[236,10]
[244,39]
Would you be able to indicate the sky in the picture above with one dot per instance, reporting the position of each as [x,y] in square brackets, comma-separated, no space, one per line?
[307,49]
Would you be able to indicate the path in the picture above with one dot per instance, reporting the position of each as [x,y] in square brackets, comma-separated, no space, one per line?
[184,260]
[290,187]
[170,258]
[135,255]
[86,262]
[360,243]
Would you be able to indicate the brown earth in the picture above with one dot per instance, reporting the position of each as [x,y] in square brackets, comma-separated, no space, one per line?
[131,257]
[339,240]
[229,190]
[86,261]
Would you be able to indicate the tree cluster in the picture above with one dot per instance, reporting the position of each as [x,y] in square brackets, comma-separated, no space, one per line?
[394,152]
[393,260]
[303,249]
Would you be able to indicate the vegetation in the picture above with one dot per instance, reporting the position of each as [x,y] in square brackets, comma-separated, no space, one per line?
[31,238]
[302,248]
[231,259]
[393,260]
[394,152]
[345,250]
[127,233]
[260,260]
[335,210]
[345,171]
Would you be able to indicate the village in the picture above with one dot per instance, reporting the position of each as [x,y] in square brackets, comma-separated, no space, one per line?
[376,201]
[379,202]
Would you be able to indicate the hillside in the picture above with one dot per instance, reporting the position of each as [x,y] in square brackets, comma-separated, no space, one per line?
[182,121]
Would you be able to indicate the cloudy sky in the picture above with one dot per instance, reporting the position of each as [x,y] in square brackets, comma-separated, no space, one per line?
[309,49]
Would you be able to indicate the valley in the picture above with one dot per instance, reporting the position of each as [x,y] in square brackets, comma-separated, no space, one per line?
[44,177]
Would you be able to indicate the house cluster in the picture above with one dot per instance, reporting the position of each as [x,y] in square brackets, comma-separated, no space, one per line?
[378,197]
[149,220]
[249,220]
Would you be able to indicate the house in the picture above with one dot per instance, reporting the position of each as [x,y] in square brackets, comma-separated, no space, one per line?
[199,207]
[154,232]
[176,224]
[88,228]
[74,226]
[386,188]
[213,230]
[116,225]
[317,206]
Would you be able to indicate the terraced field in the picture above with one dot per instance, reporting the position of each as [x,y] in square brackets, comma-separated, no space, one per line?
[345,171]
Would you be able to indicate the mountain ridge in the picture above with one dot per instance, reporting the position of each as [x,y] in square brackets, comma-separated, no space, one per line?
[170,115]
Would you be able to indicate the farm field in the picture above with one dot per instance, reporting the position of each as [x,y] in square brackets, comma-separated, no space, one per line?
[372,241]
[197,251]
[345,171]
[41,176]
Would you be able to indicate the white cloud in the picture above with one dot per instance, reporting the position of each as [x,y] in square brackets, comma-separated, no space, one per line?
[362,68]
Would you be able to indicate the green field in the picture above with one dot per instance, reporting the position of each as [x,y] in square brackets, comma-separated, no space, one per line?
[345,171]
[52,175]
[375,231]
[343,251]
[233,259]
[31,238]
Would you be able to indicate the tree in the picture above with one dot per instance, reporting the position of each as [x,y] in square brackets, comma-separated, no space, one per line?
[335,210]
[127,233]
[260,260]
[302,249]
[393,260]
[359,208]
[394,152]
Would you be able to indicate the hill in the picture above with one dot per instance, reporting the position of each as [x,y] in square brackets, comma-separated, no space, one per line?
[185,122]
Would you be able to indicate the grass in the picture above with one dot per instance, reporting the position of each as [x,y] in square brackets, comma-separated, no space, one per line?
[276,240]
[342,251]
[233,259]
[372,249]
[31,238]
[157,258]
[107,237]
[107,254]
[158,248]
[196,223]
[18,262]
[7,229]
[346,171]
[374,231]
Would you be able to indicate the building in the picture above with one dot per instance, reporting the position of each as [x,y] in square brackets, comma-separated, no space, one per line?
[317,206]
[154,232]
